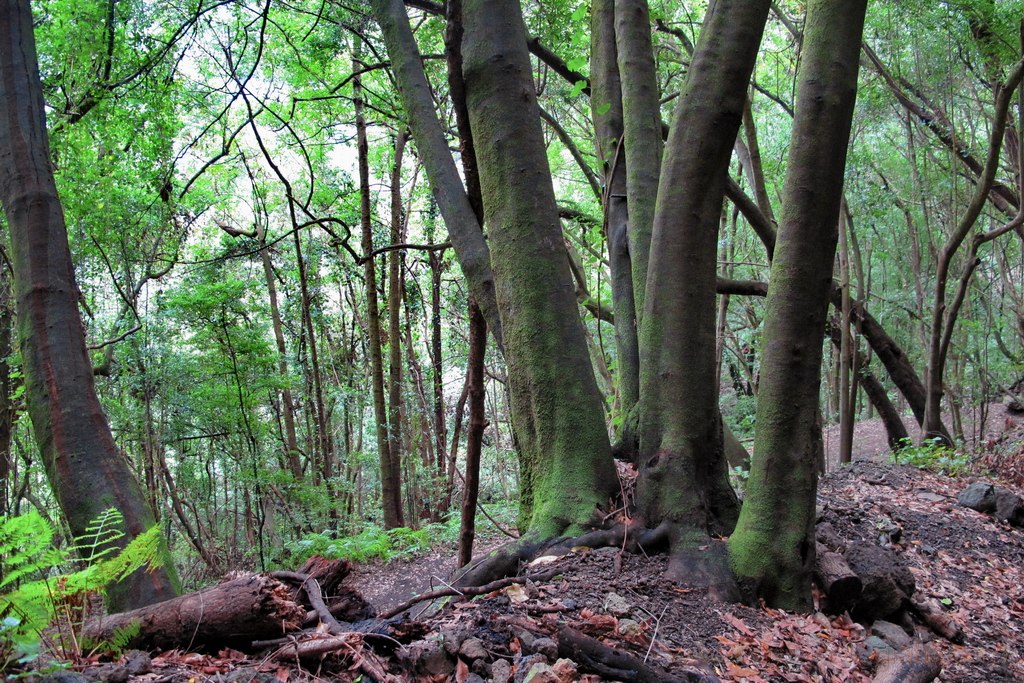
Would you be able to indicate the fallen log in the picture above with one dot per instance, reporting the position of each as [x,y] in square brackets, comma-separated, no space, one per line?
[936,619]
[840,583]
[917,664]
[230,614]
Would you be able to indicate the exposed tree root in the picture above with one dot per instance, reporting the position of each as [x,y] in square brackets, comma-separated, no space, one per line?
[700,566]
[918,664]
[593,655]
[467,591]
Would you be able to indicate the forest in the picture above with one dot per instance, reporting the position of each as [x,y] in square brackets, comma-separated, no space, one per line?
[359,293]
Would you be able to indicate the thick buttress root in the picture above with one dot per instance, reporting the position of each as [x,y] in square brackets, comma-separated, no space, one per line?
[702,566]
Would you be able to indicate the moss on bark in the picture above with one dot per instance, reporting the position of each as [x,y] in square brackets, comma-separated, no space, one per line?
[772,549]
[557,415]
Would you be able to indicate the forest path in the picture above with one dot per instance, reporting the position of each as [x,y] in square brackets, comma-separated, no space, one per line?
[869,438]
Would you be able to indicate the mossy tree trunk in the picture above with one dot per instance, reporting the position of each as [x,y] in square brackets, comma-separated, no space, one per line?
[772,548]
[641,133]
[607,114]
[86,470]
[566,465]
[683,485]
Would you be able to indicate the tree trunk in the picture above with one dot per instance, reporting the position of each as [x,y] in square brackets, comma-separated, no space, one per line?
[772,548]
[291,441]
[474,436]
[895,430]
[7,406]
[87,471]
[395,287]
[942,320]
[390,476]
[607,113]
[641,137]
[231,614]
[683,482]
[566,466]
[463,228]
[437,370]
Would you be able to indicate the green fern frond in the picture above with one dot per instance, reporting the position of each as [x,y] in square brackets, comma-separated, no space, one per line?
[26,547]
[100,535]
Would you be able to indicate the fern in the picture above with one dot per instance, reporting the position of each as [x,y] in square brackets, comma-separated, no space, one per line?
[62,599]
[26,547]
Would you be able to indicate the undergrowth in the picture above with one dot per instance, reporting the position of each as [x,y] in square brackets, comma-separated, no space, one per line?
[371,543]
[934,456]
[48,592]
[377,543]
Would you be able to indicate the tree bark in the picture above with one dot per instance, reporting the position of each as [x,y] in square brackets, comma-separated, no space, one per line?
[641,133]
[942,320]
[772,549]
[475,433]
[231,614]
[291,441]
[390,476]
[463,228]
[895,430]
[607,114]
[566,466]
[85,468]
[683,483]
[395,287]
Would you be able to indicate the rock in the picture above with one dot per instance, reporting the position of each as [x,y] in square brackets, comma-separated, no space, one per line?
[874,644]
[630,628]
[889,532]
[525,638]
[541,673]
[886,582]
[250,675]
[565,669]
[107,673]
[524,665]
[501,671]
[1009,507]
[428,657]
[472,649]
[138,663]
[978,496]
[546,647]
[474,678]
[891,633]
[61,677]
[617,605]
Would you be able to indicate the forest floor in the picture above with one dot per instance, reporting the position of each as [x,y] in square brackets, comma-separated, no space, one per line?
[968,562]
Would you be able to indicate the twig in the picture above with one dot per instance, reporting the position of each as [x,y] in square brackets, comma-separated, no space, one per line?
[654,636]
[467,592]
[311,587]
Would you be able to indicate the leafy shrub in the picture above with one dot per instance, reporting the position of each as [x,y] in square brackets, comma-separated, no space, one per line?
[372,542]
[934,456]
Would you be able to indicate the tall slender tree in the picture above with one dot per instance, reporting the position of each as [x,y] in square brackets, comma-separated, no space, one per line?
[87,471]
